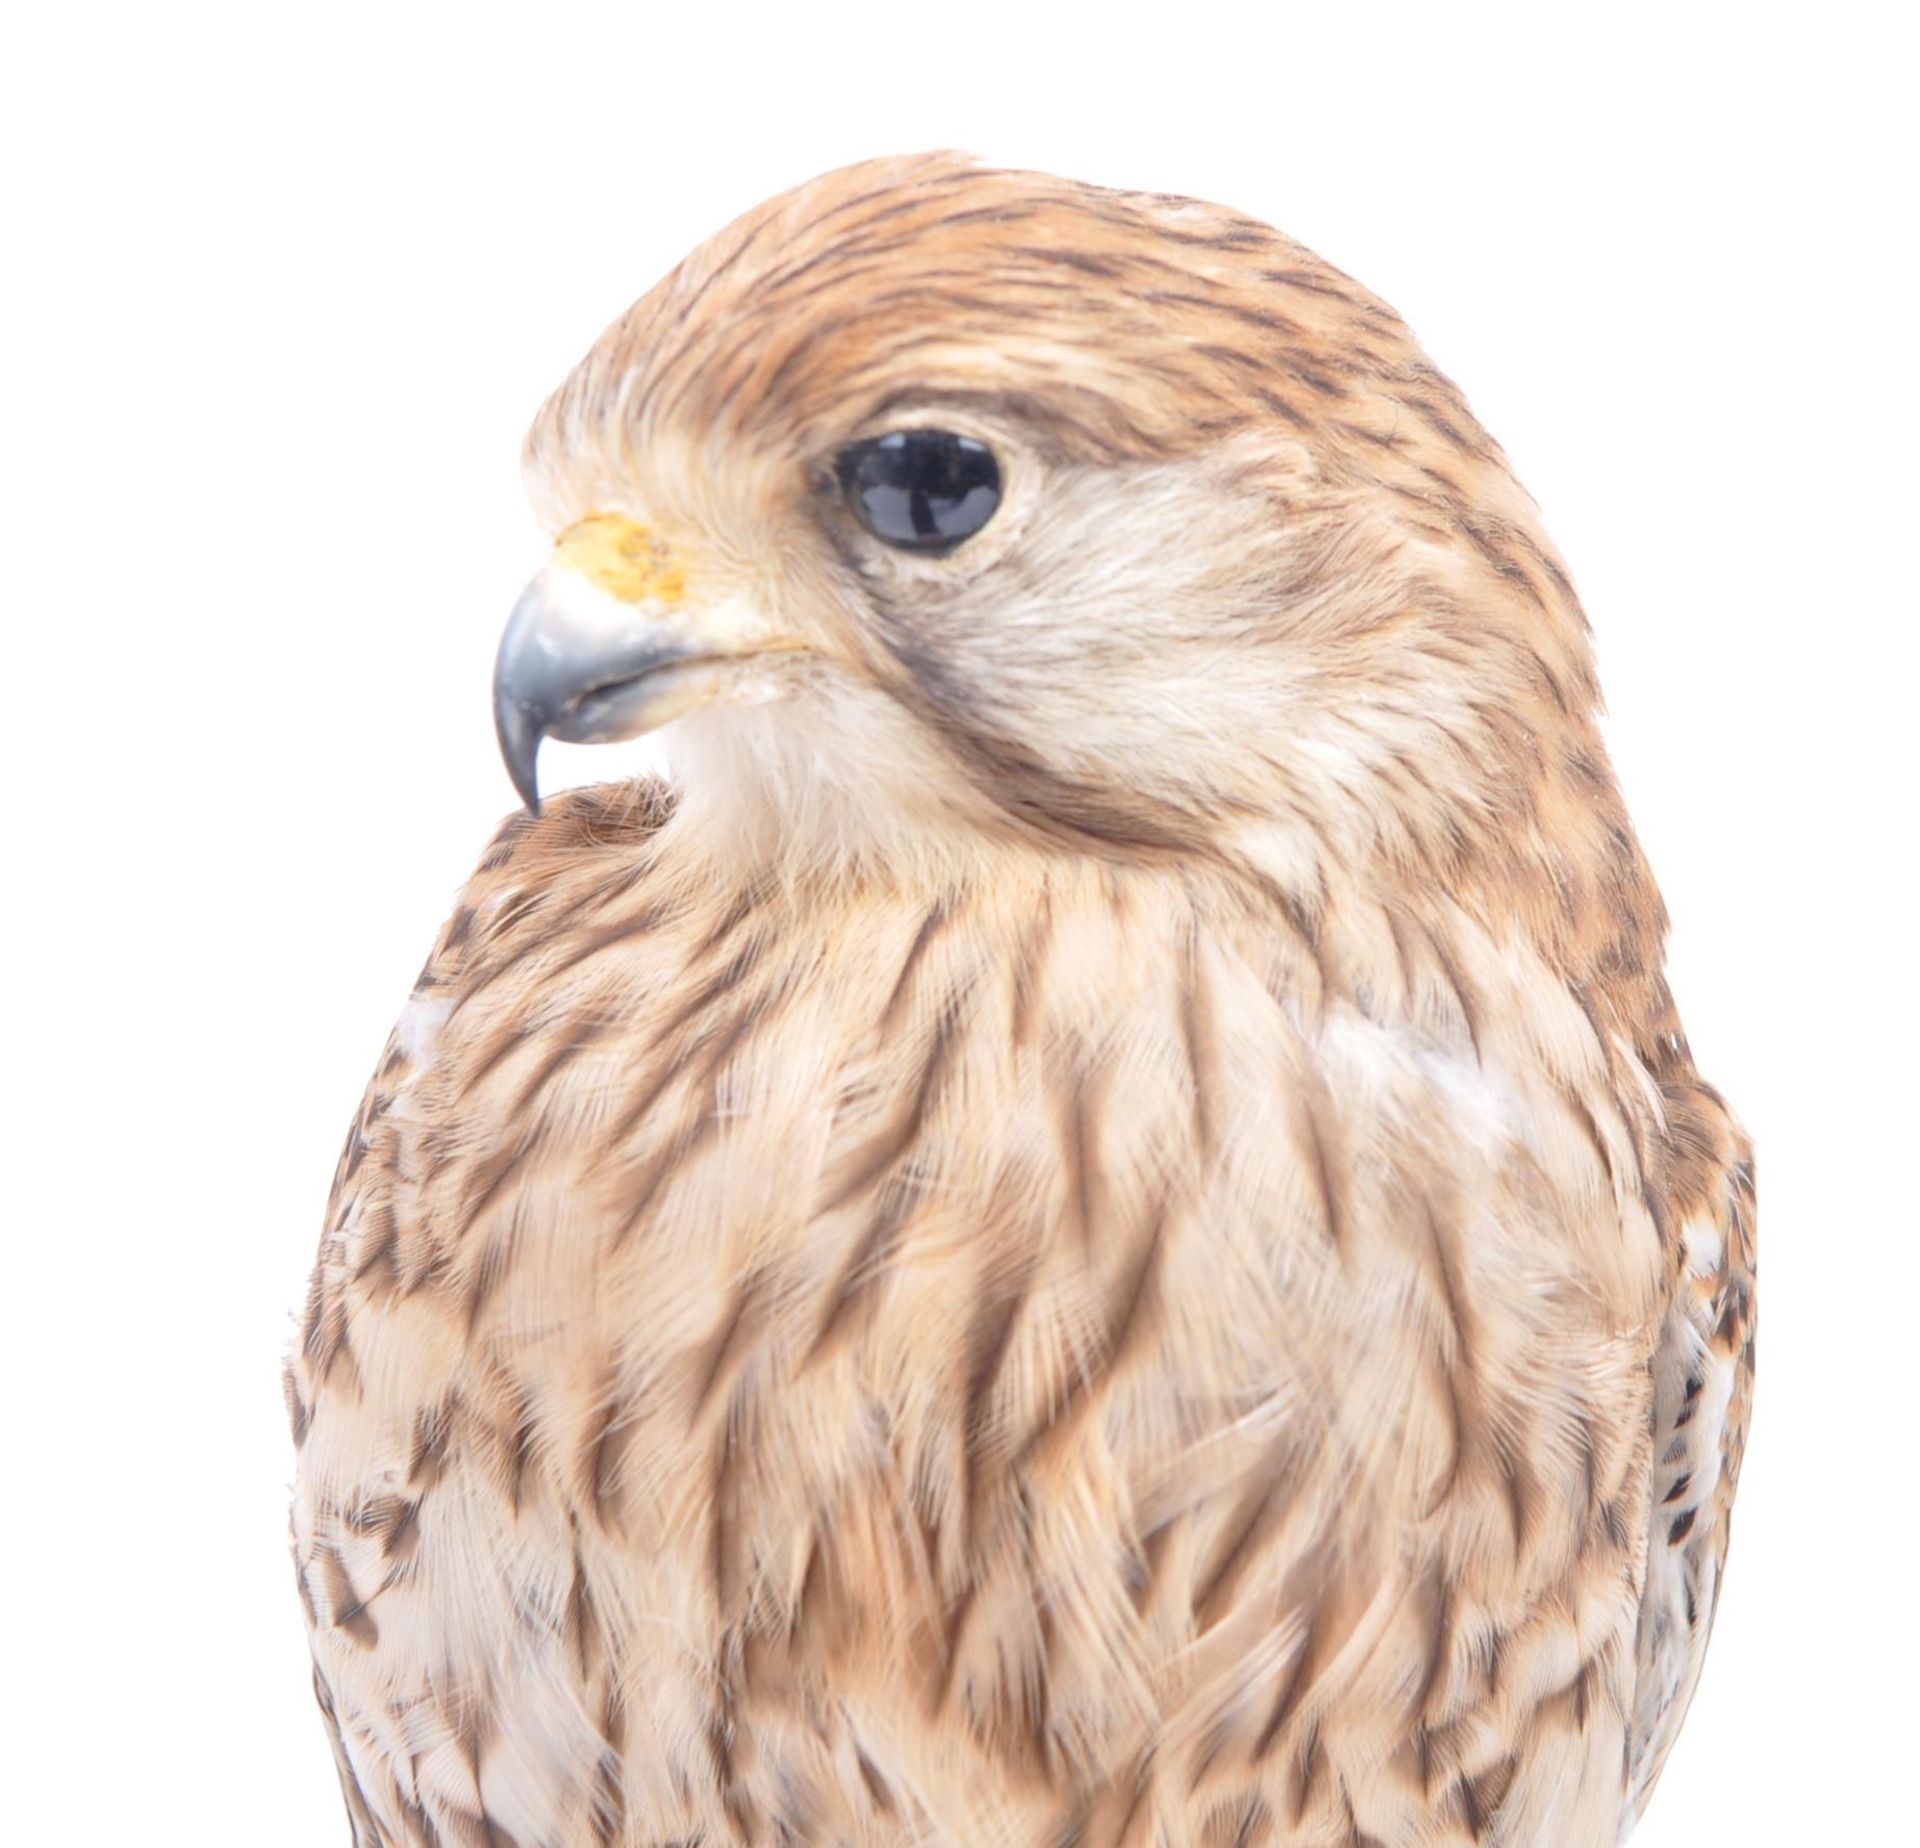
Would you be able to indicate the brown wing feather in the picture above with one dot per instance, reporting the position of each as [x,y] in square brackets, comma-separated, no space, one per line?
[1703,1390]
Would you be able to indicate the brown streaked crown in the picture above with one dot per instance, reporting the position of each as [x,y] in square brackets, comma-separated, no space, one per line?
[1127,325]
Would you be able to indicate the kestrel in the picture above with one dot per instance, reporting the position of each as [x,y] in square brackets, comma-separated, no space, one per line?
[1095,1225]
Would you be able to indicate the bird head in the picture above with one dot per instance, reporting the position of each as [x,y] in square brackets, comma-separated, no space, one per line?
[933,504]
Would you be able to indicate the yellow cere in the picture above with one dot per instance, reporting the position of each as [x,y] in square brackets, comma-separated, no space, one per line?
[623,558]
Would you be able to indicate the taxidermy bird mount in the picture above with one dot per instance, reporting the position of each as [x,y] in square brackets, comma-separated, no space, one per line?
[1095,1225]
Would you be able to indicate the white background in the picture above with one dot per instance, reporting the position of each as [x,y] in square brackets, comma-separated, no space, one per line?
[282,289]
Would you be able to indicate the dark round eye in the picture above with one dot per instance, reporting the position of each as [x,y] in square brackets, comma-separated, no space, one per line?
[920,490]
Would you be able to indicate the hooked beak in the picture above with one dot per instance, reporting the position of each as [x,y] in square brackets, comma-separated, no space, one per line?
[604,644]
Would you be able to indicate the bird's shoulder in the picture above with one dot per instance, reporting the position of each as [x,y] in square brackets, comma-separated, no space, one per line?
[585,848]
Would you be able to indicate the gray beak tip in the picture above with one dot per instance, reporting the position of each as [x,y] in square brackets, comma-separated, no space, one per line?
[520,734]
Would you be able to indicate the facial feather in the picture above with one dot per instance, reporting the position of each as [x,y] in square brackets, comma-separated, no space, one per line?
[1260,589]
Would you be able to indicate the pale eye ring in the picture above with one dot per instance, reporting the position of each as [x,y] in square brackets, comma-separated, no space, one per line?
[923,491]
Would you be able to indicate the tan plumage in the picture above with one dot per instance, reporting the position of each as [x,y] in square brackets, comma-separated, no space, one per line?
[1099,1228]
